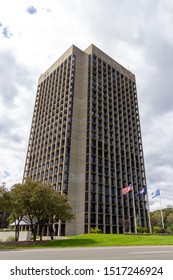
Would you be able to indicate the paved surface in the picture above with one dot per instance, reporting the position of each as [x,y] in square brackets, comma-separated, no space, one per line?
[92,253]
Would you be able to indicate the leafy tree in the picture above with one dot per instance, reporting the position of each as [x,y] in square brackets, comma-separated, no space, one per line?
[168,211]
[41,204]
[155,218]
[36,200]
[17,207]
[170,218]
[58,209]
[167,217]
[170,229]
[4,206]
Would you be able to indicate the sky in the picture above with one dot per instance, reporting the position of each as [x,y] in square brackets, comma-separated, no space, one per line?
[136,33]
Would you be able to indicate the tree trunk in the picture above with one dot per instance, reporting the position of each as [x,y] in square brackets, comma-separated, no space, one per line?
[32,228]
[3,220]
[35,232]
[17,232]
[41,232]
[16,235]
[51,231]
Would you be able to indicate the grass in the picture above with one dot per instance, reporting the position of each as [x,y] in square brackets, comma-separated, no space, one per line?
[93,240]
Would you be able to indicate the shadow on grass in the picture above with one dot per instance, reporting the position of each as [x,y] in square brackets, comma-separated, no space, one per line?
[71,243]
[53,243]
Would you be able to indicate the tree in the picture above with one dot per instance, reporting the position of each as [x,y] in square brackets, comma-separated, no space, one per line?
[170,222]
[36,201]
[155,218]
[41,204]
[167,213]
[58,209]
[4,206]
[167,217]
[17,206]
[170,218]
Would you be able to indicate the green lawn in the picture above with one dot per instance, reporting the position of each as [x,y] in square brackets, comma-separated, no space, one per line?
[117,240]
[92,240]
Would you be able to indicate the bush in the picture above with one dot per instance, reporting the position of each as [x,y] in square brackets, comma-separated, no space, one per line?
[157,229]
[95,230]
[142,229]
[170,229]
[139,229]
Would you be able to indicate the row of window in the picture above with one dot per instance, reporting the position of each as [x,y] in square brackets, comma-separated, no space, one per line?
[47,144]
[121,130]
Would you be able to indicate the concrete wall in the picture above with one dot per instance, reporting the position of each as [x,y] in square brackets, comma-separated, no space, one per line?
[23,235]
[76,191]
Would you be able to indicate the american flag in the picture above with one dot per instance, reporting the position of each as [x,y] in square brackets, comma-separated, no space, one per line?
[127,189]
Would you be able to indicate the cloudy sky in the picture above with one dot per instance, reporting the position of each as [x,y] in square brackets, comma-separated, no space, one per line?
[136,33]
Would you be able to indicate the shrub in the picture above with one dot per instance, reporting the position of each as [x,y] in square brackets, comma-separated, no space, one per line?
[139,229]
[162,230]
[170,229]
[142,229]
[145,230]
[95,230]
[157,229]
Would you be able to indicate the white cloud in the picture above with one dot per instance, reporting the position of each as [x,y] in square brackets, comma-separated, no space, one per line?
[138,34]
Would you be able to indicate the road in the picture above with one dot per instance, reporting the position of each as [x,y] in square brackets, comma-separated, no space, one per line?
[91,253]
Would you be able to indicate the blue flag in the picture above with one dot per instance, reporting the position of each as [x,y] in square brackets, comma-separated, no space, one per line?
[143,191]
[155,193]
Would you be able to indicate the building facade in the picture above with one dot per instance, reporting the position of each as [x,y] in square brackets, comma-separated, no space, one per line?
[85,141]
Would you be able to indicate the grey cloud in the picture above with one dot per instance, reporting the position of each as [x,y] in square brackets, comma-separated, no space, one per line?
[141,26]
[6,173]
[9,131]
[162,82]
[116,20]
[16,86]
[12,76]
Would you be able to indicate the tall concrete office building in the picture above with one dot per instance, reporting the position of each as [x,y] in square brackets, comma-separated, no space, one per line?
[85,141]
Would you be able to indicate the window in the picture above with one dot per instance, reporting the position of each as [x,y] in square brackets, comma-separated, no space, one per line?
[93,197]
[65,187]
[54,179]
[93,187]
[66,177]
[93,159]
[93,218]
[100,179]
[93,168]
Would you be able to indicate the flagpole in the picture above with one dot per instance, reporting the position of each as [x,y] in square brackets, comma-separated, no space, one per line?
[148,212]
[161,213]
[134,211]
